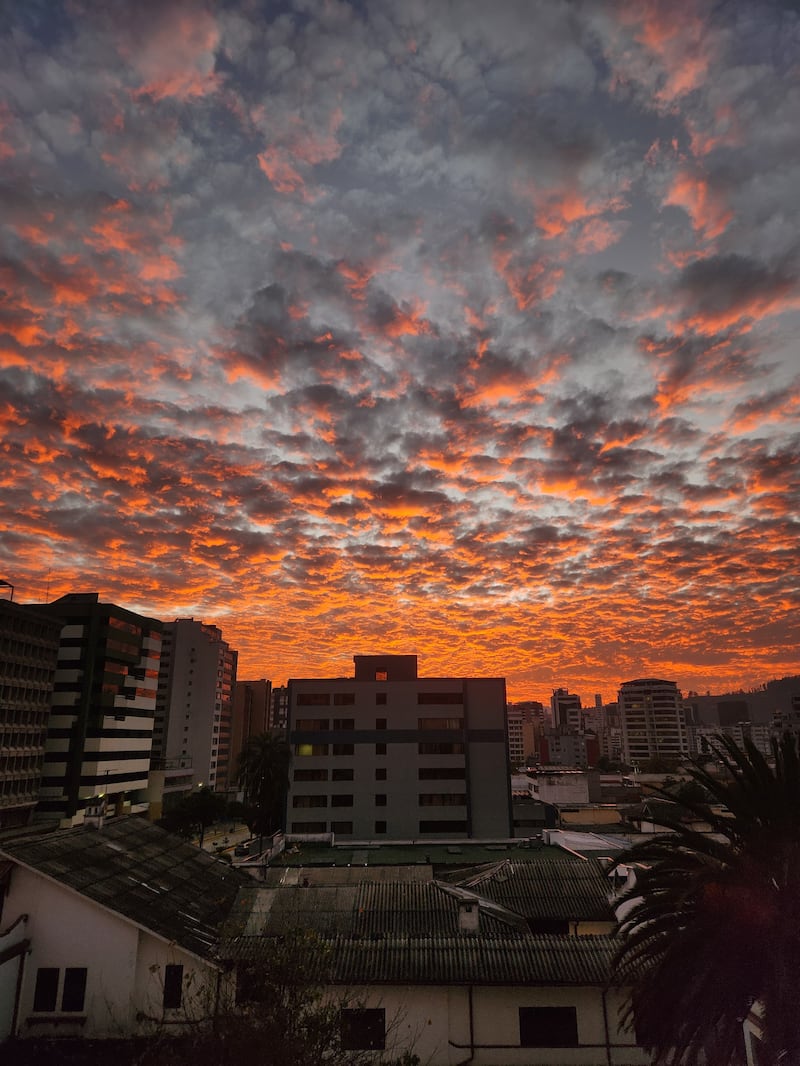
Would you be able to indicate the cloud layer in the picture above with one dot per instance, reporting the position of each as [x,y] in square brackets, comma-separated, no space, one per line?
[461,329]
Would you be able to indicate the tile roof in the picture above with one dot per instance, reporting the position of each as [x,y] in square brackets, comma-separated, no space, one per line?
[138,870]
[463,959]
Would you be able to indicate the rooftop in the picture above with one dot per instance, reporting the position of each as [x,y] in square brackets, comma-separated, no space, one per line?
[141,872]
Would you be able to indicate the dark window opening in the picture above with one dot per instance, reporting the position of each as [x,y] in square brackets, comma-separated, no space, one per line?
[344,723]
[380,799]
[380,749]
[363,1029]
[173,985]
[342,827]
[74,993]
[342,749]
[380,773]
[341,801]
[548,1027]
[440,697]
[344,699]
[313,699]
[380,827]
[345,774]
[44,996]
[380,698]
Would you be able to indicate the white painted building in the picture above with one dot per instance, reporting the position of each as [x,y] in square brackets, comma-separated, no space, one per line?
[110,932]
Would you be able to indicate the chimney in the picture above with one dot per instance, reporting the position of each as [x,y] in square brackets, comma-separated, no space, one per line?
[469,917]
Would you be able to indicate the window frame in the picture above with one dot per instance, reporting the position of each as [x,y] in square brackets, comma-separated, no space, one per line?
[550,1019]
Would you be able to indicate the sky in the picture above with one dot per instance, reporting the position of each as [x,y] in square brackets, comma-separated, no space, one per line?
[451,328]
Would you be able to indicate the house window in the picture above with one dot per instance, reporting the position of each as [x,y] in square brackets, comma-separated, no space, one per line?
[380,799]
[313,699]
[380,773]
[440,723]
[548,1027]
[344,699]
[309,827]
[44,996]
[342,827]
[437,748]
[344,723]
[380,749]
[381,675]
[311,775]
[380,723]
[74,993]
[363,1029]
[309,749]
[380,827]
[309,801]
[442,799]
[173,985]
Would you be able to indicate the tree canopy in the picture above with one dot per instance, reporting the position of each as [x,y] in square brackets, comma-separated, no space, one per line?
[712,924]
[264,775]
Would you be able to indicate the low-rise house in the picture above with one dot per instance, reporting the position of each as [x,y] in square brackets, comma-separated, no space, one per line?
[110,932]
[454,968]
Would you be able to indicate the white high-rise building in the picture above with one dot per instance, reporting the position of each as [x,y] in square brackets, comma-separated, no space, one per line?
[653,720]
[194,704]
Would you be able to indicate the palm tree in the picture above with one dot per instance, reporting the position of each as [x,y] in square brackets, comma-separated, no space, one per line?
[264,775]
[712,924]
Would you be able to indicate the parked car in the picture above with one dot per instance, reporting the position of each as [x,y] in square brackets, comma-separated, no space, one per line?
[242,848]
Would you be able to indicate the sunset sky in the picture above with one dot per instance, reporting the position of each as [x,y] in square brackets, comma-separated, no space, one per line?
[462,329]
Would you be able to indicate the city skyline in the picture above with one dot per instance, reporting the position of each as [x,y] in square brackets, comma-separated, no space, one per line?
[435,329]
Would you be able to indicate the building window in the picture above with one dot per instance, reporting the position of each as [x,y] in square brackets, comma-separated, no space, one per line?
[380,749]
[342,749]
[437,748]
[380,723]
[341,801]
[380,827]
[311,775]
[380,699]
[309,749]
[173,986]
[441,773]
[380,799]
[440,723]
[380,773]
[363,1029]
[342,827]
[311,725]
[345,774]
[439,825]
[46,991]
[344,723]
[344,699]
[309,827]
[440,697]
[381,675]
[309,801]
[313,699]
[442,799]
[72,998]
[548,1027]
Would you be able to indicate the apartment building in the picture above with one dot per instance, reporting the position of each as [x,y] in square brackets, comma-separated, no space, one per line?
[100,729]
[251,715]
[28,652]
[389,755]
[566,711]
[195,702]
[653,721]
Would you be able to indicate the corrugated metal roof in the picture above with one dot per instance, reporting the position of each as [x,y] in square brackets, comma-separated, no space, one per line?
[577,891]
[463,959]
[142,872]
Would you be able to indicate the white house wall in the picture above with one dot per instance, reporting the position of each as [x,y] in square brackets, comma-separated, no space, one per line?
[434,1023]
[125,965]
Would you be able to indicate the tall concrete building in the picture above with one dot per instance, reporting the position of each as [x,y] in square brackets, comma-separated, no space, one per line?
[390,756]
[653,721]
[566,710]
[195,701]
[28,652]
[100,730]
[524,723]
[252,714]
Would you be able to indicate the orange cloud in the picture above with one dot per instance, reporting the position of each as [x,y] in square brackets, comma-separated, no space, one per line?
[708,213]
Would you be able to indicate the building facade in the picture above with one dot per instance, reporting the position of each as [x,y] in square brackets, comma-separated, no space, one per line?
[194,708]
[566,710]
[100,730]
[388,755]
[252,714]
[653,721]
[28,653]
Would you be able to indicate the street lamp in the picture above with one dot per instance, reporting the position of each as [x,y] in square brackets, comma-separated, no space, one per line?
[8,585]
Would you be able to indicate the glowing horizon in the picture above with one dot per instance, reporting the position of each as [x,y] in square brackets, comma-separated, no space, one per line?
[410,328]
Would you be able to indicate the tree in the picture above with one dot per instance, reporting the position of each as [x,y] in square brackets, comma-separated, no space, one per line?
[712,924]
[264,776]
[194,813]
